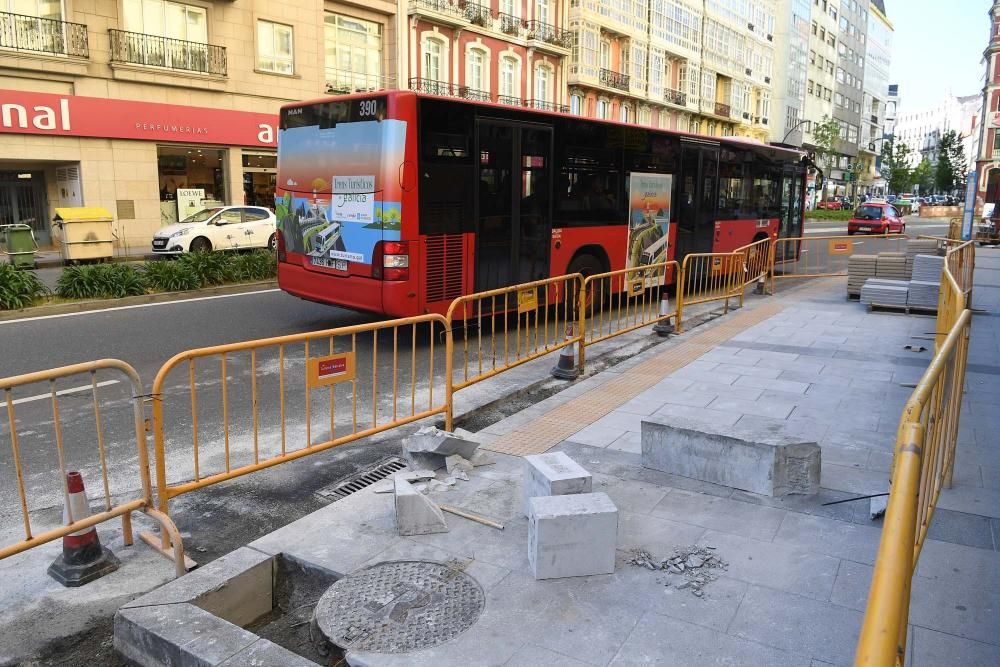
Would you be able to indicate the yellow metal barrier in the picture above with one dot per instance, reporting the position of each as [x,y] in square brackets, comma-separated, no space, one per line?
[618,302]
[327,381]
[511,326]
[111,508]
[709,276]
[826,256]
[923,464]
[961,260]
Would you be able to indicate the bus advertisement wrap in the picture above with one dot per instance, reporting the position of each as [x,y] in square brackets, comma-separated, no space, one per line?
[649,219]
[340,194]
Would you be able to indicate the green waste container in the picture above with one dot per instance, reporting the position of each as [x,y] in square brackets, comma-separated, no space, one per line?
[19,245]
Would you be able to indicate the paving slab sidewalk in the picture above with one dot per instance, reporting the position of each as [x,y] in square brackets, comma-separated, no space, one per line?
[814,365]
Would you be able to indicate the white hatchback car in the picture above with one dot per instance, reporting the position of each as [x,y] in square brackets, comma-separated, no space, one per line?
[220,228]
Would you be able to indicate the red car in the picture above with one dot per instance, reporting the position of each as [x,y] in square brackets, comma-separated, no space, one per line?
[876,218]
[831,204]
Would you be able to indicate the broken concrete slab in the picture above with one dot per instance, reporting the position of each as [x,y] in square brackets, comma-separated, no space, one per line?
[416,514]
[572,536]
[457,462]
[553,474]
[759,460]
[432,440]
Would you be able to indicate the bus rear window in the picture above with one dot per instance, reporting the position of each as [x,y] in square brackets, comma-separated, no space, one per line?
[329,114]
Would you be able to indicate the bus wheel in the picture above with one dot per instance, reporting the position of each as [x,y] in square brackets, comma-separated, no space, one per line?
[588,265]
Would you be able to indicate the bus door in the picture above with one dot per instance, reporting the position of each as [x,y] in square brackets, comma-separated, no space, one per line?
[697,197]
[790,226]
[513,203]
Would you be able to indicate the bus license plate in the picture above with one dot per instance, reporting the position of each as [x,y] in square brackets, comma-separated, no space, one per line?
[338,264]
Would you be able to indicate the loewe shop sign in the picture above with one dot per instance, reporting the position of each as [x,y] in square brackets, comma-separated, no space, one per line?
[71,115]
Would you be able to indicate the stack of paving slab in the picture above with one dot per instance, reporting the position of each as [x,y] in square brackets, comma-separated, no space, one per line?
[882,292]
[891,266]
[918,247]
[859,269]
[926,283]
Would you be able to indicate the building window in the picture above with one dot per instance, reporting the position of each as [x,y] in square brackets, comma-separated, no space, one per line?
[542,11]
[542,81]
[575,105]
[353,53]
[606,55]
[623,114]
[274,47]
[645,117]
[508,7]
[172,20]
[603,109]
[475,70]
[509,77]
[432,60]
[199,172]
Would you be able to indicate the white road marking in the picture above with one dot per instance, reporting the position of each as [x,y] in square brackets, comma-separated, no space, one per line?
[140,305]
[63,392]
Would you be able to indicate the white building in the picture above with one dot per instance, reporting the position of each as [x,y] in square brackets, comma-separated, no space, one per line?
[878,57]
[922,130]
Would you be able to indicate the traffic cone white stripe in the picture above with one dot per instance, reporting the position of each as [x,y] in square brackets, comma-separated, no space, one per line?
[77,510]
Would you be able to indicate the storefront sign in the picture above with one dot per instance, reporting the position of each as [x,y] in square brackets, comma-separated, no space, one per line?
[189,201]
[76,116]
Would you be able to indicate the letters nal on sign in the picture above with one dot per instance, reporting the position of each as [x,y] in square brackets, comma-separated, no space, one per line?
[332,369]
[353,199]
[840,247]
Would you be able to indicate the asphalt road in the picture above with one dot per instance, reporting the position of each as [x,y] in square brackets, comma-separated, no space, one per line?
[149,335]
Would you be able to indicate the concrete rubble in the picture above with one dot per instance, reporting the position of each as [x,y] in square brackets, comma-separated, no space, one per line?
[694,564]
[415,514]
[429,448]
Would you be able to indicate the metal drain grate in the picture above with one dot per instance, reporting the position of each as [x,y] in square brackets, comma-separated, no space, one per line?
[359,480]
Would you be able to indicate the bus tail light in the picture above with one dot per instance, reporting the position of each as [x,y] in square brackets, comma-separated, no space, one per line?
[395,264]
[280,239]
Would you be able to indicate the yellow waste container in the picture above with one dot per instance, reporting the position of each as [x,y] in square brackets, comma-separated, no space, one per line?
[86,233]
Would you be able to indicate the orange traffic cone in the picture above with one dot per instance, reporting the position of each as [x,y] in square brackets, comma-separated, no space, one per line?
[664,327]
[566,368]
[83,558]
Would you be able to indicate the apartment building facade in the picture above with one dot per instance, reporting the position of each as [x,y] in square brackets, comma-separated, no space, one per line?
[821,75]
[143,106]
[703,67]
[988,160]
[878,58]
[791,71]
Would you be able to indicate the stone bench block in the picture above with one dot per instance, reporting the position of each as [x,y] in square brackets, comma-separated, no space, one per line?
[553,474]
[572,536]
[759,460]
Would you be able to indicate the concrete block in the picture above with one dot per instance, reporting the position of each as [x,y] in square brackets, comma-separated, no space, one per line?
[236,587]
[553,474]
[763,460]
[177,634]
[572,536]
[263,653]
[415,513]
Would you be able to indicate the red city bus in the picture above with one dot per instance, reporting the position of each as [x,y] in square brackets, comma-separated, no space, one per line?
[399,202]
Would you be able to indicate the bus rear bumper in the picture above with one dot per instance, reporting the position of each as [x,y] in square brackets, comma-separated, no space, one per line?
[368,295]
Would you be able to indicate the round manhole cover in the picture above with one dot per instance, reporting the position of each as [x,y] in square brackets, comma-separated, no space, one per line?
[399,606]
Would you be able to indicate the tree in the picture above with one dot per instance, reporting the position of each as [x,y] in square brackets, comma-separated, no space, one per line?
[896,165]
[924,176]
[951,167]
[825,136]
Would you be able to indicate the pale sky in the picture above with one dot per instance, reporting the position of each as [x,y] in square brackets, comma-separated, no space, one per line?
[937,46]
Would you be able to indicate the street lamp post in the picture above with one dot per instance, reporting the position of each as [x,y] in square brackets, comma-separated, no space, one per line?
[793,128]
[854,172]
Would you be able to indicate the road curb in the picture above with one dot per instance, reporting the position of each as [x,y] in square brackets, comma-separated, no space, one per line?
[159,297]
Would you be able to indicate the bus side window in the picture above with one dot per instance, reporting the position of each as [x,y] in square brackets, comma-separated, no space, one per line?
[446,168]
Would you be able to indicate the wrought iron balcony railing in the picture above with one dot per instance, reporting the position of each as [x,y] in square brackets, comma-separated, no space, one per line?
[613,79]
[723,109]
[443,6]
[474,94]
[542,105]
[549,34]
[509,100]
[29,33]
[478,14]
[675,97]
[509,24]
[431,86]
[178,54]
[345,81]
